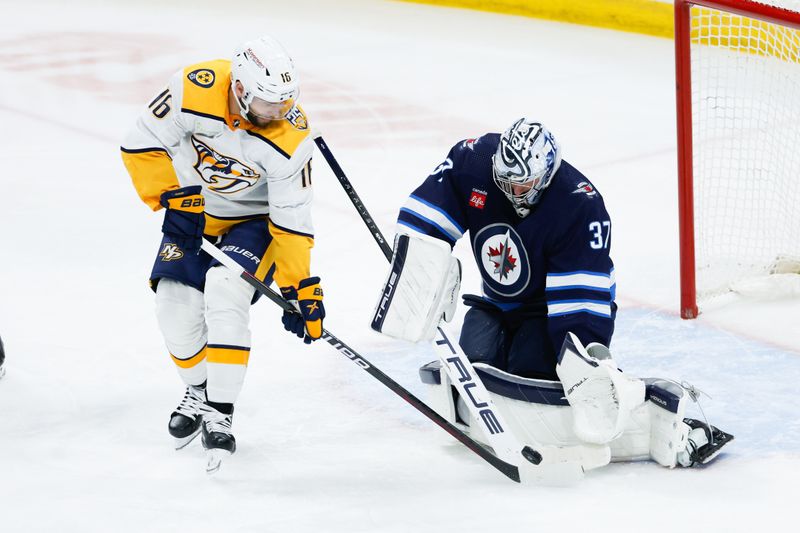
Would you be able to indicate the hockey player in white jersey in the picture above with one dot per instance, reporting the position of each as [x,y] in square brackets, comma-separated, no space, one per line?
[226,151]
[541,238]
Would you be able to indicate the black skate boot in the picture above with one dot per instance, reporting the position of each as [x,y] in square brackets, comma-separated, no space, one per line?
[185,420]
[705,443]
[218,439]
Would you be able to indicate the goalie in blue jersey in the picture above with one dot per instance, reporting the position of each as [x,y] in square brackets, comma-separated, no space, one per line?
[539,333]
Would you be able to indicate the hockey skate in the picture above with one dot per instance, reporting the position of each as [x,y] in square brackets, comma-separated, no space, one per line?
[218,439]
[704,443]
[186,419]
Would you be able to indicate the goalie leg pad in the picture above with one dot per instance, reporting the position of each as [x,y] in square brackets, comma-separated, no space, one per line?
[675,440]
[422,287]
[601,396]
[534,409]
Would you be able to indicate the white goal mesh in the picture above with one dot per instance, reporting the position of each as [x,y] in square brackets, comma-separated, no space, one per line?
[746,147]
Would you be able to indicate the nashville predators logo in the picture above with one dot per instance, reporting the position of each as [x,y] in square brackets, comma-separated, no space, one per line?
[170,252]
[202,77]
[224,174]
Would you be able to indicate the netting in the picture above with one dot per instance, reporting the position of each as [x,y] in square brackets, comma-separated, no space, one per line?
[746,147]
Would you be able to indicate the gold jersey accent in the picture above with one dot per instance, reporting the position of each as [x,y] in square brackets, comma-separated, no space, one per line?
[213,100]
[188,135]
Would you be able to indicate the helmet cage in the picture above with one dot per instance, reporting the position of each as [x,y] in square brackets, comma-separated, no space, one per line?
[527,158]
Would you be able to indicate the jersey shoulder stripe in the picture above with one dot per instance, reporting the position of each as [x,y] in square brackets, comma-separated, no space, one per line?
[205,89]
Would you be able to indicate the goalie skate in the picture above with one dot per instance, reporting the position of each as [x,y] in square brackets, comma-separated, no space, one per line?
[705,443]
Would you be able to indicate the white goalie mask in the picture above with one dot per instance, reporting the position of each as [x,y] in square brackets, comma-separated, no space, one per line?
[268,77]
[524,164]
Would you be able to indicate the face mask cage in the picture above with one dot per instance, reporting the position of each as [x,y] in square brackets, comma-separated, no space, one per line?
[528,189]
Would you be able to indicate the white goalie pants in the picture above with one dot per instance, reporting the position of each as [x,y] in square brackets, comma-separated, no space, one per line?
[207,334]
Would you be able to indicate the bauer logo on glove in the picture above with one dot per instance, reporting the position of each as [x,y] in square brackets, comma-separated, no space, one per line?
[306,322]
[184,220]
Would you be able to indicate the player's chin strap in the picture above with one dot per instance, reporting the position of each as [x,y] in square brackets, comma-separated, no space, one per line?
[539,465]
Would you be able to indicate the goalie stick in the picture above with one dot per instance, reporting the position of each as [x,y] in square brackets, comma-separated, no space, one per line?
[512,471]
[556,468]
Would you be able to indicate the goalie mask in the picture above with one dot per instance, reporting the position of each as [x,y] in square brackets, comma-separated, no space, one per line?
[268,80]
[526,160]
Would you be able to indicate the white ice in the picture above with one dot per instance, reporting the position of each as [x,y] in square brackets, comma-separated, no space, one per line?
[322,445]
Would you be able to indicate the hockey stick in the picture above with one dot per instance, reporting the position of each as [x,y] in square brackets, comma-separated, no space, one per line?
[351,193]
[510,470]
[465,379]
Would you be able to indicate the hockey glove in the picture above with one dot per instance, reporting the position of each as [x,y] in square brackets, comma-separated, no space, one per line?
[184,219]
[306,322]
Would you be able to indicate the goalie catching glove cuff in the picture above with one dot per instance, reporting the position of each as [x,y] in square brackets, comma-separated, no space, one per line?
[306,322]
[184,220]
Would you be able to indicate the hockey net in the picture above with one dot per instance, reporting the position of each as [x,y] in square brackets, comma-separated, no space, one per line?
[738,80]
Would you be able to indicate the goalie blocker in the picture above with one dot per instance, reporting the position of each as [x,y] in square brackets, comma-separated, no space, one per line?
[596,413]
[421,289]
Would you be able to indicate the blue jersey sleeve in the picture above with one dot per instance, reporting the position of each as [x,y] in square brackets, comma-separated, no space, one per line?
[433,208]
[580,287]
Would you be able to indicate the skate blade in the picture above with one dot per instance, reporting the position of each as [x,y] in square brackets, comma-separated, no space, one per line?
[214,458]
[2,371]
[182,442]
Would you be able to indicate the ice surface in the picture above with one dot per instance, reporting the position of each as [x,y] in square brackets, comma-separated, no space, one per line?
[322,445]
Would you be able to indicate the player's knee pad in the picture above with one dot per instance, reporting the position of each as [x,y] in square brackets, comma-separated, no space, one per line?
[180,311]
[601,396]
[422,288]
[227,299]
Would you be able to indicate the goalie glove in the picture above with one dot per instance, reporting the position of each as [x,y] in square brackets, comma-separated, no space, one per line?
[184,219]
[601,396]
[306,321]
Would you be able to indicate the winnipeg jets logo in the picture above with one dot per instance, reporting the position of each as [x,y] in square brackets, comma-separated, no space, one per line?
[223,174]
[504,260]
[170,252]
[586,188]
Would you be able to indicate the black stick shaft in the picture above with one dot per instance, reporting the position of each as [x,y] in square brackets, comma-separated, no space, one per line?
[351,193]
[506,468]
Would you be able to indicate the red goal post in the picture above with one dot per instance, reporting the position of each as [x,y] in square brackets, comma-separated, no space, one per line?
[739,39]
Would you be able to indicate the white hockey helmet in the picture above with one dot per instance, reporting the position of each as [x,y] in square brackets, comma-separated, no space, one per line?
[268,77]
[524,164]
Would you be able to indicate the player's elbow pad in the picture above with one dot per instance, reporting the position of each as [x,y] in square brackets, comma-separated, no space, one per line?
[421,289]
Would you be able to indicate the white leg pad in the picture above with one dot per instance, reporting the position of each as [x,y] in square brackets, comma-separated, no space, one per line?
[669,435]
[542,427]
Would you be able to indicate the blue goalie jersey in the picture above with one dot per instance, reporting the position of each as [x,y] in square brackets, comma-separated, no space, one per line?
[554,263]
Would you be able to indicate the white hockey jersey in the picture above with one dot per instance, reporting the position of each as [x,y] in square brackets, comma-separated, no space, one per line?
[188,136]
